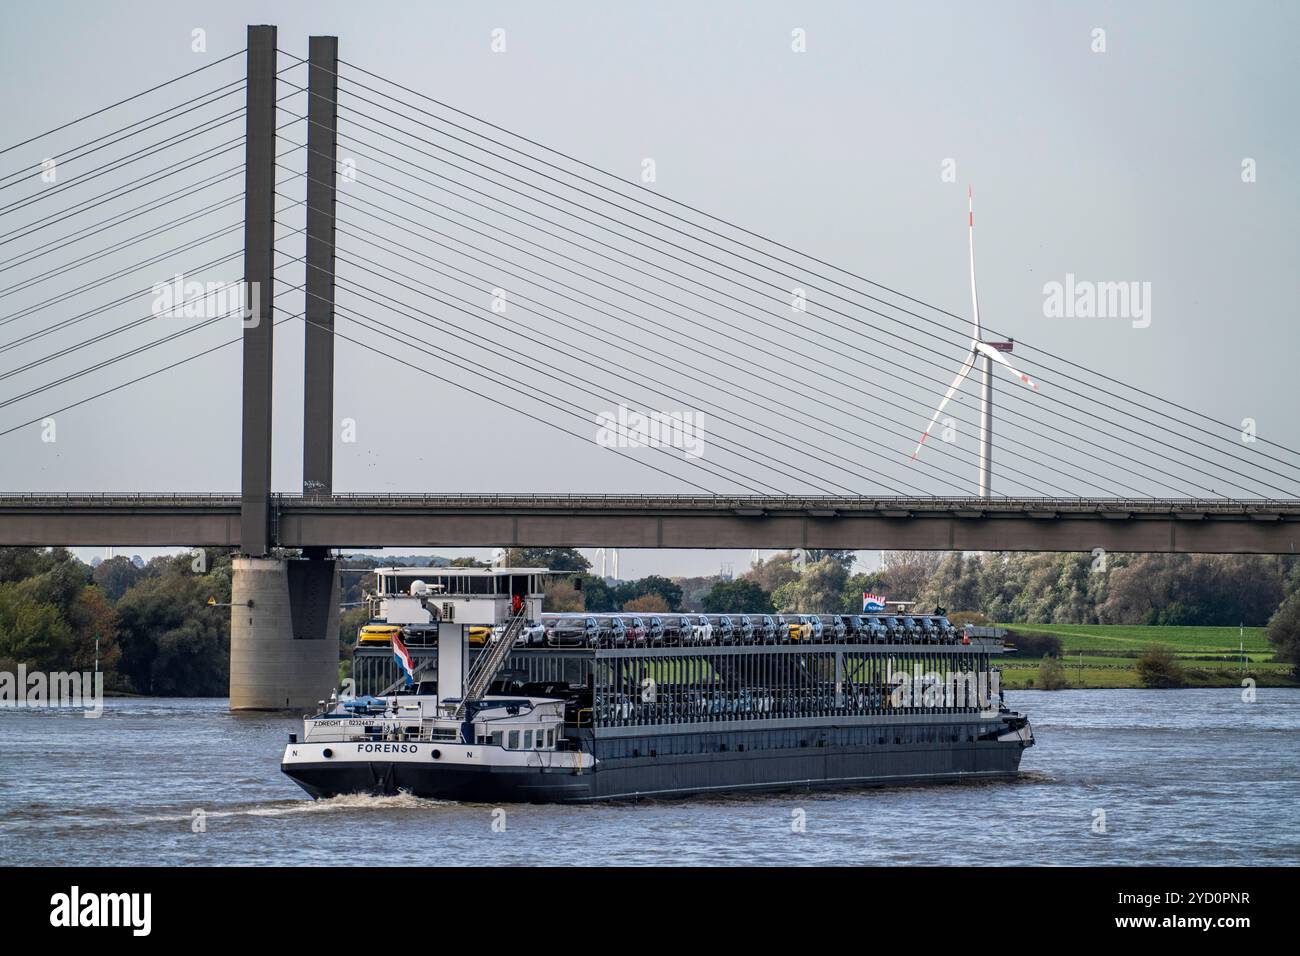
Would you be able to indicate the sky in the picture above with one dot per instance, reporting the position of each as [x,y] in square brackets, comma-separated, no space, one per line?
[1160,151]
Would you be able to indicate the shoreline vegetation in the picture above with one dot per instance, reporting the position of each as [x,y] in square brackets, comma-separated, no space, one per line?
[1119,620]
[1119,656]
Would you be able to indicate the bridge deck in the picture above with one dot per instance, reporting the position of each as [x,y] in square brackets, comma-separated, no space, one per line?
[663,521]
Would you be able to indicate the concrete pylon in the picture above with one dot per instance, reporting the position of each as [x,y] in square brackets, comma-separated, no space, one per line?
[284,649]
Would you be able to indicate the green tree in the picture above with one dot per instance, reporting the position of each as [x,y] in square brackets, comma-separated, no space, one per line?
[819,589]
[559,595]
[172,643]
[905,573]
[351,620]
[844,558]
[1284,632]
[19,564]
[33,632]
[557,559]
[670,591]
[597,596]
[773,572]
[1158,667]
[1051,675]
[740,596]
[116,576]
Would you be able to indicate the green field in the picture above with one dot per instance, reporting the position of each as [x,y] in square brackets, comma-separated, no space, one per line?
[1103,655]
[1135,638]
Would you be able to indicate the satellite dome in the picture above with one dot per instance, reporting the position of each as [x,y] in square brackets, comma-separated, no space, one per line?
[419,587]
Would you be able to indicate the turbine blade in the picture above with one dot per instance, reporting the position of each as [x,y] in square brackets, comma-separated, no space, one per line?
[999,357]
[966,366]
[977,332]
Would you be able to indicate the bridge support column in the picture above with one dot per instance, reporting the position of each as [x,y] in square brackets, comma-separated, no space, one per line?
[259,270]
[284,649]
[318,376]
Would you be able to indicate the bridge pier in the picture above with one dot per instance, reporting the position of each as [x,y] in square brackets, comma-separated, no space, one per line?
[284,649]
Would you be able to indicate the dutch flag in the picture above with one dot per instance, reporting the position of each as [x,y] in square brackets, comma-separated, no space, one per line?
[404,659]
[872,602]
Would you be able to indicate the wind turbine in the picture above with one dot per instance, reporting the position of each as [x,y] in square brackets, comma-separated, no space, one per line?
[989,352]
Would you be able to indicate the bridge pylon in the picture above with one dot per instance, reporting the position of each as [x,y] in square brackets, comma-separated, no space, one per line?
[284,620]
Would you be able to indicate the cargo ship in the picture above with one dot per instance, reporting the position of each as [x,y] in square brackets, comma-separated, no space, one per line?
[522,721]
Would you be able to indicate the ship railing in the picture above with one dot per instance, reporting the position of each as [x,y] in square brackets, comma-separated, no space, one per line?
[489,663]
[386,727]
[759,704]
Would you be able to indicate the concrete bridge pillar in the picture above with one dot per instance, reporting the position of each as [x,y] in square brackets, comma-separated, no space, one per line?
[284,650]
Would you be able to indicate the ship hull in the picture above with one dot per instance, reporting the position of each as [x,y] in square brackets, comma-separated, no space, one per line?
[669,776]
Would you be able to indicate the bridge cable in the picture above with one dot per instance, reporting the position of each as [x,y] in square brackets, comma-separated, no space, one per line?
[477,314]
[657,359]
[105,109]
[371,236]
[378,328]
[1054,398]
[149,179]
[761,462]
[749,344]
[748,232]
[125,355]
[89,147]
[423,209]
[133,213]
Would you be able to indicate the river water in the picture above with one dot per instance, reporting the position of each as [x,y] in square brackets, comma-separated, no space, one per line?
[1182,777]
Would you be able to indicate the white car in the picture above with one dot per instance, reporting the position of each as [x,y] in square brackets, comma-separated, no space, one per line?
[701,629]
[532,634]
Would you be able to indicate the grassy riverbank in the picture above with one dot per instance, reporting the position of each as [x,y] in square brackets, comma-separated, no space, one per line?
[1106,656]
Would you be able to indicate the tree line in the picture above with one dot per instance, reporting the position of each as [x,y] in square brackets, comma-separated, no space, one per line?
[155,634]
[149,625]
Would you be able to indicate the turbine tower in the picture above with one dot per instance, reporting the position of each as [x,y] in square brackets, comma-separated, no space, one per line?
[987,352]
[612,554]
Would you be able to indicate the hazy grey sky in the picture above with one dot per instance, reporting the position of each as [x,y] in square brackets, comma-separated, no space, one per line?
[1122,165]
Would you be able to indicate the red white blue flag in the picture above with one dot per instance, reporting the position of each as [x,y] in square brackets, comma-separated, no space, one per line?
[404,659]
[872,602]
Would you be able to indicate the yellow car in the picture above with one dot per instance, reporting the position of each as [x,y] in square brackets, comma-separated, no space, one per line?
[479,634]
[800,628]
[377,633]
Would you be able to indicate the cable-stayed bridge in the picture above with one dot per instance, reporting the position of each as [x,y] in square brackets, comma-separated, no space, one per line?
[511,279]
[508,275]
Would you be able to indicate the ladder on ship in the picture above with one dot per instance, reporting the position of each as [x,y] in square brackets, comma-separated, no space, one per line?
[490,661]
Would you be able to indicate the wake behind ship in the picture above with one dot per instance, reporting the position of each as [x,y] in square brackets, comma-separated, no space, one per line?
[527,721]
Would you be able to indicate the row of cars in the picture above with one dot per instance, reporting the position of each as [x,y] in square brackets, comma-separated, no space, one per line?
[701,630]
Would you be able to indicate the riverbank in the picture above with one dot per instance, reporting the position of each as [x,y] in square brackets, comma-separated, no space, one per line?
[1104,656]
